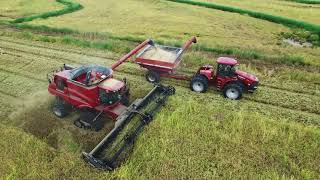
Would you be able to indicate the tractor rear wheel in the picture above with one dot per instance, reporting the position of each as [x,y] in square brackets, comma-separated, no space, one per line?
[199,83]
[232,91]
[152,77]
[60,108]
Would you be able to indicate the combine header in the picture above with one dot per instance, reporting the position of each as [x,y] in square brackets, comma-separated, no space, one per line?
[110,152]
[92,90]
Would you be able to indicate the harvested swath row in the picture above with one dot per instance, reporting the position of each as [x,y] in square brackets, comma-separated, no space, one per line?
[301,88]
[28,62]
[287,99]
[69,49]
[5,105]
[45,52]
[282,104]
[18,86]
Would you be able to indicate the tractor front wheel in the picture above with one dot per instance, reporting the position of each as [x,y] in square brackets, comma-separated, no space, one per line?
[199,84]
[232,91]
[60,108]
[152,77]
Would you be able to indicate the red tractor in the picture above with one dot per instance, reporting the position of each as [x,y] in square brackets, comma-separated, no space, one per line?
[162,61]
[231,81]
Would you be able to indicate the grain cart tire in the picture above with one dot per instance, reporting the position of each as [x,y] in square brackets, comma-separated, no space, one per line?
[60,108]
[232,91]
[152,77]
[199,83]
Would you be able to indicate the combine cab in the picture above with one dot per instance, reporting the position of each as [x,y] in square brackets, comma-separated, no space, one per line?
[92,90]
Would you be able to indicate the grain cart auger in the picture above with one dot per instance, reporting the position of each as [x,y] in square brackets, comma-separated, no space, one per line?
[115,147]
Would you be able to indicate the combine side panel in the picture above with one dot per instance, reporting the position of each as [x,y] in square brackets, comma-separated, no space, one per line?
[115,147]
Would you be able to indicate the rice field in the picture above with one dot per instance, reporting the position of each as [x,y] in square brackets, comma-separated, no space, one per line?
[213,28]
[19,8]
[271,134]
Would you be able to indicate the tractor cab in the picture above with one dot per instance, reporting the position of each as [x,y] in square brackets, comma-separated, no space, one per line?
[90,75]
[226,67]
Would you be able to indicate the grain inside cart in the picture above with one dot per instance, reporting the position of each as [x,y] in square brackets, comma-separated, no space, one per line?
[162,60]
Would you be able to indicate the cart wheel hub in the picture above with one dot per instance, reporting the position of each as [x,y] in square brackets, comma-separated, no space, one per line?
[198,86]
[57,112]
[232,93]
[151,78]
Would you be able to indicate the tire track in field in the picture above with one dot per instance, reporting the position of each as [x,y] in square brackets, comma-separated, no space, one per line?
[130,72]
[58,49]
[291,90]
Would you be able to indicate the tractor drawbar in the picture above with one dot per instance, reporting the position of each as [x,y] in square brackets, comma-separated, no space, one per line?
[115,147]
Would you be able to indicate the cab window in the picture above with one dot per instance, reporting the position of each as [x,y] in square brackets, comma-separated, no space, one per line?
[226,70]
[109,98]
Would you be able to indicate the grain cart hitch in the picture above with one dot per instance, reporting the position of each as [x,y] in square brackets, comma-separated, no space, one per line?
[115,147]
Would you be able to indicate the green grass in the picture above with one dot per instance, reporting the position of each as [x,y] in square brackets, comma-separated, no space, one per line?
[13,9]
[306,1]
[302,12]
[112,42]
[272,18]
[70,7]
[167,21]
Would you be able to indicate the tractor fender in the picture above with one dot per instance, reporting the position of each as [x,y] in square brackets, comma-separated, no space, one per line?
[84,106]
[206,73]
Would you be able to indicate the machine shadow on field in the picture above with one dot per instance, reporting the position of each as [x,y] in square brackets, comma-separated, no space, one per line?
[34,115]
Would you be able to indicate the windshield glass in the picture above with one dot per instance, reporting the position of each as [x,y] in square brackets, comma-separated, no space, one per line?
[109,98]
[226,70]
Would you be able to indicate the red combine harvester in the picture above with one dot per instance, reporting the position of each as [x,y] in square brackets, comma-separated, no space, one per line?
[162,61]
[92,90]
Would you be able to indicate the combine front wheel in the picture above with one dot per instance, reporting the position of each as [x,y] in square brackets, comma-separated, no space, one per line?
[152,77]
[60,108]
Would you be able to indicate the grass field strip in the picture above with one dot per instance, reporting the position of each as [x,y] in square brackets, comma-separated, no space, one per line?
[255,14]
